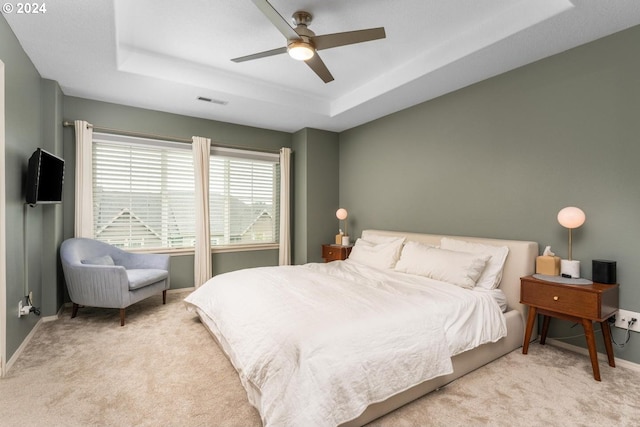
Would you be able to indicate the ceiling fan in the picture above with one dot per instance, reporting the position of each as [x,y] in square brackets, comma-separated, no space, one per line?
[303,44]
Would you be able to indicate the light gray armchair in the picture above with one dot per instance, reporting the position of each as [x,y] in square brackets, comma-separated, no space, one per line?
[101,275]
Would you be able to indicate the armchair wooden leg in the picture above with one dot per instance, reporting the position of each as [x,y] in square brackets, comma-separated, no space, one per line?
[122,317]
[164,296]
[74,310]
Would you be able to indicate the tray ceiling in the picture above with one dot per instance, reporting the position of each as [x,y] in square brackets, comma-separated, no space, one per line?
[164,55]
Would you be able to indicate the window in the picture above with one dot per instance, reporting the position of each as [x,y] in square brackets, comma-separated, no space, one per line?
[143,194]
[243,197]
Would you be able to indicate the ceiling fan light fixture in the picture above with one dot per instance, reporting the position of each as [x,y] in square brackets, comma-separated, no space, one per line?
[300,50]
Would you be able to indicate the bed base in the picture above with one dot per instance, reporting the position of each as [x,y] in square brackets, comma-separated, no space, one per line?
[463,363]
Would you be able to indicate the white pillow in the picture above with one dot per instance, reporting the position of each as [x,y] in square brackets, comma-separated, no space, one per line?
[492,274]
[459,268]
[381,238]
[380,255]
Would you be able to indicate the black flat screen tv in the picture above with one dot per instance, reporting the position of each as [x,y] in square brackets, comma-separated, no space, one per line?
[45,176]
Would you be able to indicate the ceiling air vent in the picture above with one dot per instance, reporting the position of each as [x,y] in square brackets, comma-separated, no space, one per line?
[212,101]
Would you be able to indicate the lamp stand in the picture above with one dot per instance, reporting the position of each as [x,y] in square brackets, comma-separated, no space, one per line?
[569,266]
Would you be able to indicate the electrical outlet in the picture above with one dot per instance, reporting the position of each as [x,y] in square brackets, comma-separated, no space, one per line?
[624,316]
[23,310]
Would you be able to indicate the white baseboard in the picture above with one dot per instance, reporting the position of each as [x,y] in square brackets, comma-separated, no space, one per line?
[601,356]
[56,316]
[24,344]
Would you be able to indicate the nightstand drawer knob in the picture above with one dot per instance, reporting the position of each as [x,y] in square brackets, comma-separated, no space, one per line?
[555,298]
[330,253]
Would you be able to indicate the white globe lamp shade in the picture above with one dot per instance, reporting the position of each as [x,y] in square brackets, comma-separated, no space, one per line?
[341,214]
[571,217]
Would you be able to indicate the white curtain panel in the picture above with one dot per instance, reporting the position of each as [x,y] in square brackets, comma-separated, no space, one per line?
[202,263]
[84,180]
[285,206]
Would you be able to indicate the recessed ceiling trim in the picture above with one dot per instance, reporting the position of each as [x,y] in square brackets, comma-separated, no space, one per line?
[513,19]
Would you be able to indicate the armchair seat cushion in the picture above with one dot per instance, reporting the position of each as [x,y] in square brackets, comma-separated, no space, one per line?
[139,278]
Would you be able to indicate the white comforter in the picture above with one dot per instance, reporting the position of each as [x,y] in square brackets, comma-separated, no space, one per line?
[323,341]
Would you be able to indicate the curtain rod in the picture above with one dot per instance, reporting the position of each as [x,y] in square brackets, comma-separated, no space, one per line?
[166,138]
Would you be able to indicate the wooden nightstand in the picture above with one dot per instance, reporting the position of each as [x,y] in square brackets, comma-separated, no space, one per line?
[335,252]
[582,304]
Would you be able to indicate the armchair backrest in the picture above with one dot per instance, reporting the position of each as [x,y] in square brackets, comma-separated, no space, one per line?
[75,250]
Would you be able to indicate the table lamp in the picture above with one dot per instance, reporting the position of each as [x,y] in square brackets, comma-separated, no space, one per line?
[342,214]
[570,217]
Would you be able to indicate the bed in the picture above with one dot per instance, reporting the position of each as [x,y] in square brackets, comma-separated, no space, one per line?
[347,342]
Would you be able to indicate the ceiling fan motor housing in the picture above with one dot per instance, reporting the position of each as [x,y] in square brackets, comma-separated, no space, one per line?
[301,18]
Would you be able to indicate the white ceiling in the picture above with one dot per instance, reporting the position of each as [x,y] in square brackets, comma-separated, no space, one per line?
[162,54]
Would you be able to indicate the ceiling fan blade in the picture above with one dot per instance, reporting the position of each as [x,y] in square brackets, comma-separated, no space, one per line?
[318,67]
[261,54]
[276,19]
[327,41]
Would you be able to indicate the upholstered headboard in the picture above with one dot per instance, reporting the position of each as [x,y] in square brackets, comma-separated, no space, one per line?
[520,261]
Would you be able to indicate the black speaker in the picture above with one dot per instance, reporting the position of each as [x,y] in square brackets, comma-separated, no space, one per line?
[604,271]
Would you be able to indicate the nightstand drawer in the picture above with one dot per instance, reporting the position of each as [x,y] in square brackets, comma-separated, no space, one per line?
[596,302]
[559,299]
[335,252]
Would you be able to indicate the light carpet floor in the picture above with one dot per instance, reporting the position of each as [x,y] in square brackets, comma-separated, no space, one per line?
[164,369]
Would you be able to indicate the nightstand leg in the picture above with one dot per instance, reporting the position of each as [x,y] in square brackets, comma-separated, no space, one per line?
[545,329]
[531,319]
[591,344]
[606,334]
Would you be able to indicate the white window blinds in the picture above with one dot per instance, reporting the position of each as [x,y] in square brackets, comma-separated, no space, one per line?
[143,193]
[243,197]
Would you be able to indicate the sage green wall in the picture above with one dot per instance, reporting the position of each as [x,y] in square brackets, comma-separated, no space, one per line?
[53,288]
[159,123]
[500,159]
[299,217]
[315,192]
[23,100]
